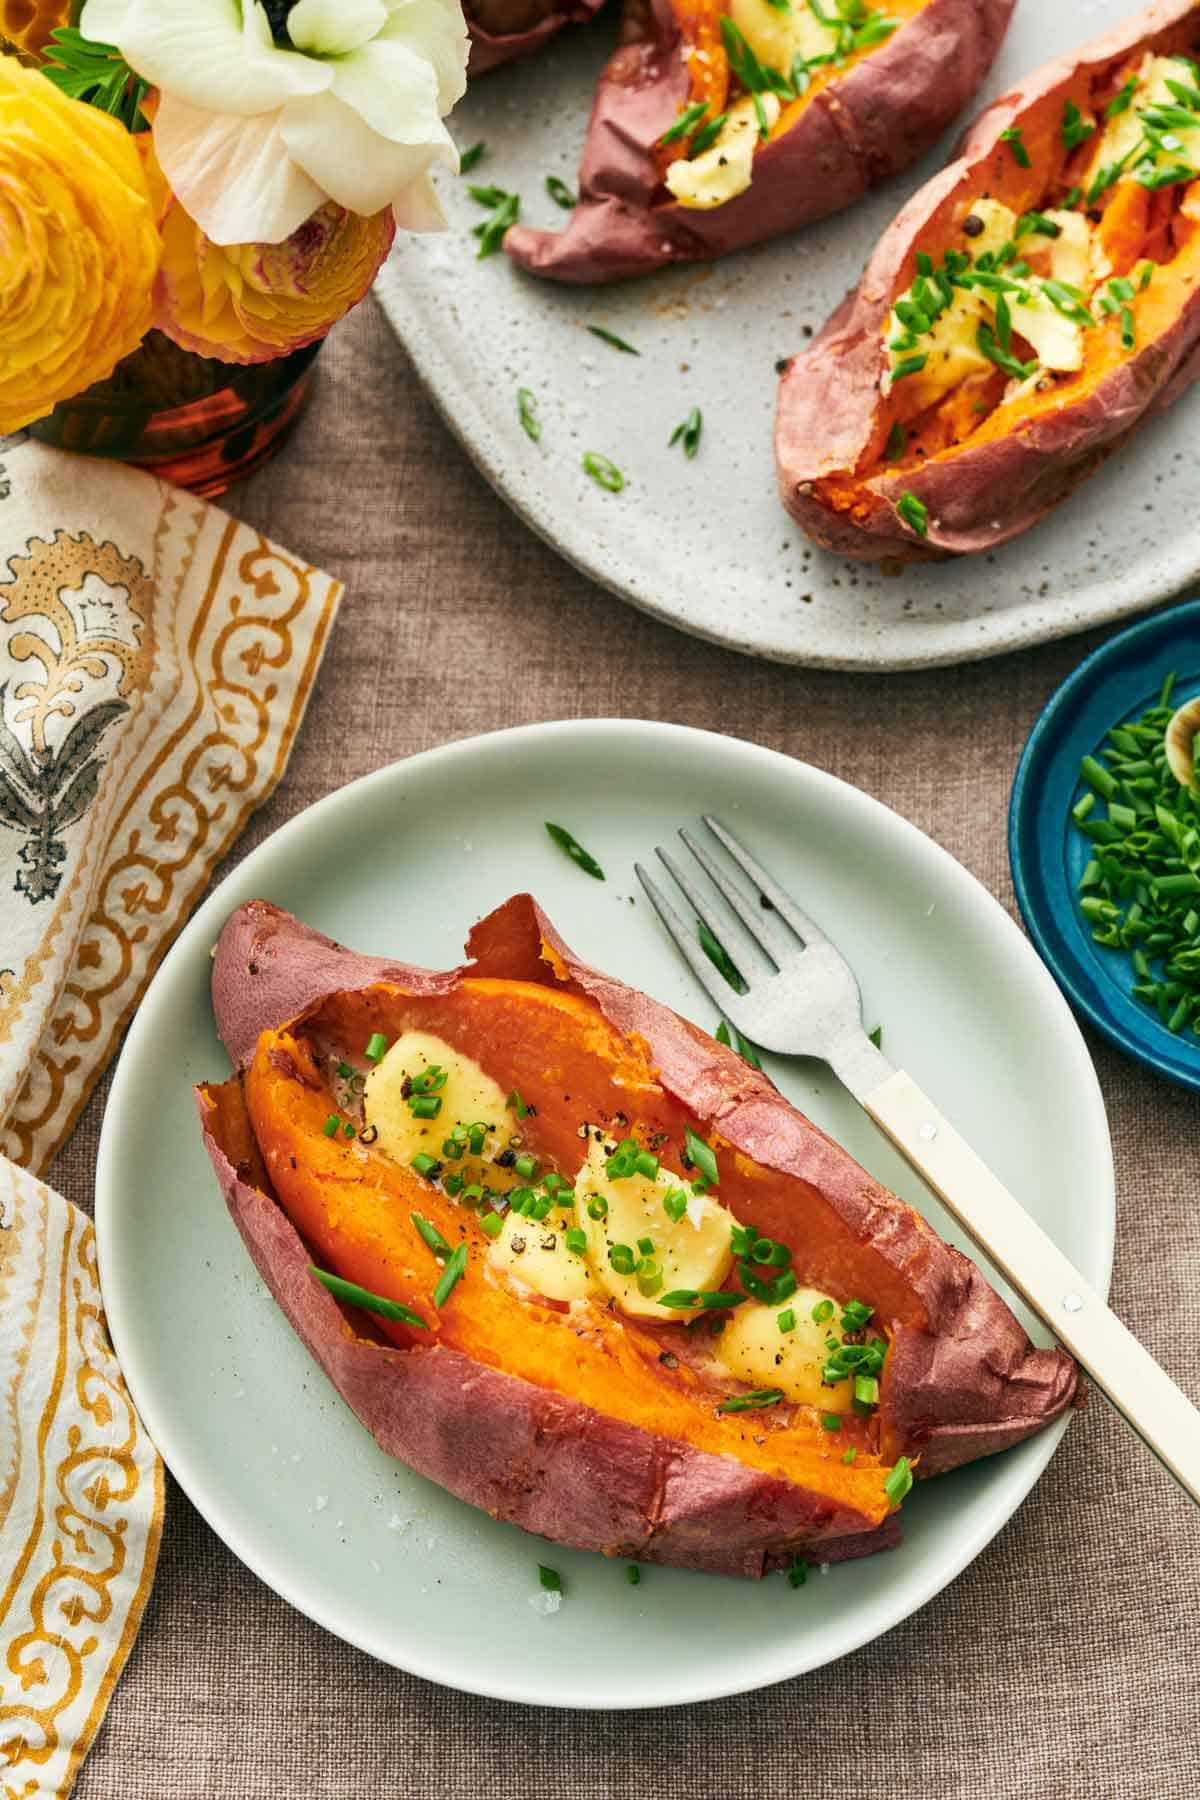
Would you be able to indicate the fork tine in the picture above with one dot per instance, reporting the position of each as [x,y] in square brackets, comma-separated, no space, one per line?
[769,939]
[741,950]
[714,985]
[806,929]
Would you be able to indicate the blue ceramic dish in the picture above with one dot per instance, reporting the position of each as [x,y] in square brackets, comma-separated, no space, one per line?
[1116,683]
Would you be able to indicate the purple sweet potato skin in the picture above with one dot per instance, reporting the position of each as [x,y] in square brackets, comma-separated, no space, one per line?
[526,1455]
[980,497]
[871,123]
[969,1385]
[501,31]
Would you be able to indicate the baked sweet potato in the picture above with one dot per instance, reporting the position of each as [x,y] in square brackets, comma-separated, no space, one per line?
[595,1415]
[502,30]
[1026,312]
[820,99]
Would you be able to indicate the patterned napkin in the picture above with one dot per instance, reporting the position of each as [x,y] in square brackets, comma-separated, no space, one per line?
[155,661]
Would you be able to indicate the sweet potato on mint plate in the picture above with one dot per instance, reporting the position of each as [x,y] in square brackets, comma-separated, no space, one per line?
[573,1259]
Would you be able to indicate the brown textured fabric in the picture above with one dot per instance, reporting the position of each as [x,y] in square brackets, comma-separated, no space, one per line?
[1065,1663]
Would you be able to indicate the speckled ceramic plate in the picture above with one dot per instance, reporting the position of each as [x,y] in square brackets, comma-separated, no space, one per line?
[402,863]
[706,544]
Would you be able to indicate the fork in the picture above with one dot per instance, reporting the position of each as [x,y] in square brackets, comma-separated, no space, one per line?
[808,1004]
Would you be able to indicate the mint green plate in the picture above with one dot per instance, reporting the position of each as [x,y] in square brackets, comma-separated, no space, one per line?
[402,863]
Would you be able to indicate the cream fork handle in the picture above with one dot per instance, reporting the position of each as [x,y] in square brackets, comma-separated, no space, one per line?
[1141,1391]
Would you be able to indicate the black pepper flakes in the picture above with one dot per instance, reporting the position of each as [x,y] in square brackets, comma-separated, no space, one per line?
[973,225]
[668,1359]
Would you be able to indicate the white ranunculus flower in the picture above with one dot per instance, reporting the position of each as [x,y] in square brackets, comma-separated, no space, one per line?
[254,136]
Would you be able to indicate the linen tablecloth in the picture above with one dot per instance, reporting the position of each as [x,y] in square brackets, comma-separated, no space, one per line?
[1065,1662]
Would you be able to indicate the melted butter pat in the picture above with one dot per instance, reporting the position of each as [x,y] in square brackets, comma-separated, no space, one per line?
[951,349]
[470,1095]
[754,1350]
[534,1255]
[692,1252]
[777,35]
[1122,135]
[723,170]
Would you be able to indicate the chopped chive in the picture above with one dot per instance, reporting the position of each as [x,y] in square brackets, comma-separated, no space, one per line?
[633,1574]
[452,1274]
[603,472]
[719,958]
[622,1258]
[550,1579]
[515,1104]
[1013,137]
[531,425]
[376,1047]
[849,1455]
[675,1204]
[855,1314]
[914,513]
[821,1311]
[348,1130]
[898,1481]
[707,135]
[345,1071]
[470,157]
[425,1106]
[798,1572]
[743,1046]
[1121,102]
[908,365]
[560,193]
[866,1390]
[1076,128]
[610,337]
[689,431]
[525,1166]
[751,1402]
[831,1421]
[492,1224]
[876,1036]
[353,1295]
[786,1320]
[431,1235]
[646,1163]
[897,442]
[331,1124]
[426,1165]
[583,859]
[688,119]
[491,232]
[597,1207]
[576,1240]
[700,1155]
[649,1280]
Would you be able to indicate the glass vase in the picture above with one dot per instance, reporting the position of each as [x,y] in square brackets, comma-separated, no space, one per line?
[197,422]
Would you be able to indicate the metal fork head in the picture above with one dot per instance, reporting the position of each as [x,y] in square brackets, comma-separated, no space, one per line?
[798,994]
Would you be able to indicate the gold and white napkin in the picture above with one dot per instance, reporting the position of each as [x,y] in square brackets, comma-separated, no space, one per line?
[156,657]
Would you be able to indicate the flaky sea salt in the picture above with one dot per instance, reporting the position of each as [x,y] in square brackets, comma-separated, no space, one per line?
[545,1601]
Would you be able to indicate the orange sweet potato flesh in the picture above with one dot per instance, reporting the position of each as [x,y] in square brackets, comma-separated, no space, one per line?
[669,1477]
[569,1065]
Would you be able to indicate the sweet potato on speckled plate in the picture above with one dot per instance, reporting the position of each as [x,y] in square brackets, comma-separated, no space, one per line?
[1028,310]
[818,103]
[535,1366]
[502,30]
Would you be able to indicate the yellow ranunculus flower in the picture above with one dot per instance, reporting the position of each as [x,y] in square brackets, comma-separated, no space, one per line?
[247,303]
[78,247]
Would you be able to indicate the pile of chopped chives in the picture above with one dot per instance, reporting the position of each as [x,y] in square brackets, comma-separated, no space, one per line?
[1140,891]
